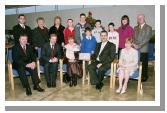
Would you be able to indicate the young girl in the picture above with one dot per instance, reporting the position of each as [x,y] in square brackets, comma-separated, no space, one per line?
[73,67]
[69,30]
[128,64]
[113,35]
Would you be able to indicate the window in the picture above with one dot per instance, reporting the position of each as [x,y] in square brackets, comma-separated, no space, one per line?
[30,9]
[64,7]
[43,8]
[10,11]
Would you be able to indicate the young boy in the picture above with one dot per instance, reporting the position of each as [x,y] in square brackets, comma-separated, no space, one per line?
[88,43]
[97,30]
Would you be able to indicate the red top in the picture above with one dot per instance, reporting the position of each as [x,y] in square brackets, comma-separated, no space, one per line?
[68,32]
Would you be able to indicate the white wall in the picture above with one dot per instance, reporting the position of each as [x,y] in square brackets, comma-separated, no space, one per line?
[106,14]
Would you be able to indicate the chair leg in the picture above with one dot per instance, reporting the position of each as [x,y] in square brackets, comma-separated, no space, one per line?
[83,67]
[111,76]
[38,69]
[61,72]
[11,77]
[89,75]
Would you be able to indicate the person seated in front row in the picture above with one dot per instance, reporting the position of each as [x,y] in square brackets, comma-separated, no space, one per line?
[101,60]
[51,53]
[74,69]
[128,64]
[24,60]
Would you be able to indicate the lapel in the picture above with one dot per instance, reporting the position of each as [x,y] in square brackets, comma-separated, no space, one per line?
[22,51]
[105,47]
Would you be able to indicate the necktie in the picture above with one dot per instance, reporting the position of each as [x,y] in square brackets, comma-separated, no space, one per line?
[52,51]
[24,49]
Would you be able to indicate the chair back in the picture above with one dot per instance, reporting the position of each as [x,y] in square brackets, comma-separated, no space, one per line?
[39,53]
[9,55]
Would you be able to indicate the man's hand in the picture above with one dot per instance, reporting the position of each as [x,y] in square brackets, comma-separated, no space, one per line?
[54,60]
[31,65]
[98,65]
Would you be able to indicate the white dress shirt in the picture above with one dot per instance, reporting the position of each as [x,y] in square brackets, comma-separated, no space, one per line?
[101,49]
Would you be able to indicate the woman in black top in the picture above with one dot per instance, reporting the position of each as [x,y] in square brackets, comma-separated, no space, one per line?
[58,29]
[40,34]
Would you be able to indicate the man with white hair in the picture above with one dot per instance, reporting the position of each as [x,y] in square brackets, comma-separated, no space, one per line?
[143,33]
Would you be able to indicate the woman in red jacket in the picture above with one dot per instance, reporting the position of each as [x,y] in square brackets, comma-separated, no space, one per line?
[69,30]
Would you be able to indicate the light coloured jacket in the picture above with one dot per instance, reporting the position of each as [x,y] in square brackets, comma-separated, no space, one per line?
[142,38]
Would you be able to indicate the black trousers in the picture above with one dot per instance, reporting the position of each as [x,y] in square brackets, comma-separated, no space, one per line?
[50,70]
[23,77]
[97,77]
[144,60]
[119,52]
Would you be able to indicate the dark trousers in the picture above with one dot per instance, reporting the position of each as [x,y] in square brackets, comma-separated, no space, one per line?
[144,60]
[119,52]
[50,70]
[23,77]
[97,77]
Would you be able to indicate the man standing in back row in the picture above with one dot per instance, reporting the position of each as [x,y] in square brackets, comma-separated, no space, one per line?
[142,36]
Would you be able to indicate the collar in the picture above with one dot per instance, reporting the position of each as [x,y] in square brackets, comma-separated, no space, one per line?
[142,25]
[22,25]
[89,37]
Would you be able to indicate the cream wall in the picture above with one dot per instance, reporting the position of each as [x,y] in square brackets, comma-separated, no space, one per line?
[106,14]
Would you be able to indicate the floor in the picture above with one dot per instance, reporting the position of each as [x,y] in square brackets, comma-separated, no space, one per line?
[83,92]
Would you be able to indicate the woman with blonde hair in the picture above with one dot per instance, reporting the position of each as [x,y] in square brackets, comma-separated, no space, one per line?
[128,64]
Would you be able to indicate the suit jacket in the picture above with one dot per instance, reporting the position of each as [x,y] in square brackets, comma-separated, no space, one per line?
[46,52]
[40,37]
[59,32]
[20,58]
[107,55]
[142,37]
[17,30]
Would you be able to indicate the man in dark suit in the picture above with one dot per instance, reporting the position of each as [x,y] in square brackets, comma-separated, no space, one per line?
[101,60]
[21,28]
[51,53]
[24,60]
[143,33]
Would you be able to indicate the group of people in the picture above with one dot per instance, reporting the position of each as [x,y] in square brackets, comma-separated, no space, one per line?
[104,45]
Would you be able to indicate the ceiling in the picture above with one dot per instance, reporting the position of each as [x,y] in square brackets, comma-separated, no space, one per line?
[16,6]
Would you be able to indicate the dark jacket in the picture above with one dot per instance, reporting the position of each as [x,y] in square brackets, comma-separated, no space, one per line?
[40,36]
[58,32]
[20,58]
[107,55]
[17,30]
[46,53]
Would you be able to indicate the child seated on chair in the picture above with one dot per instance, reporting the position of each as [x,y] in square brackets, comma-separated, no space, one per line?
[128,64]
[73,67]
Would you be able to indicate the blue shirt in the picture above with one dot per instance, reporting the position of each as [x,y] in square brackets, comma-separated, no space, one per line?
[88,45]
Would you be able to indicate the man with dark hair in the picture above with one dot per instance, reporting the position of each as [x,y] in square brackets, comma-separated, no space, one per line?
[51,53]
[21,28]
[101,60]
[24,60]
[80,28]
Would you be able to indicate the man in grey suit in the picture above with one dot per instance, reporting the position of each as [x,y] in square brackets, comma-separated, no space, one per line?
[143,33]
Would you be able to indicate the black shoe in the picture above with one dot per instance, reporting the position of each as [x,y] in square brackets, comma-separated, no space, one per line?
[71,82]
[38,88]
[99,86]
[53,84]
[144,79]
[49,85]
[75,80]
[28,91]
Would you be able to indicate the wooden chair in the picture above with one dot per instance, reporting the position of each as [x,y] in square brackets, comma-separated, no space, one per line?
[12,73]
[108,72]
[61,67]
[136,75]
